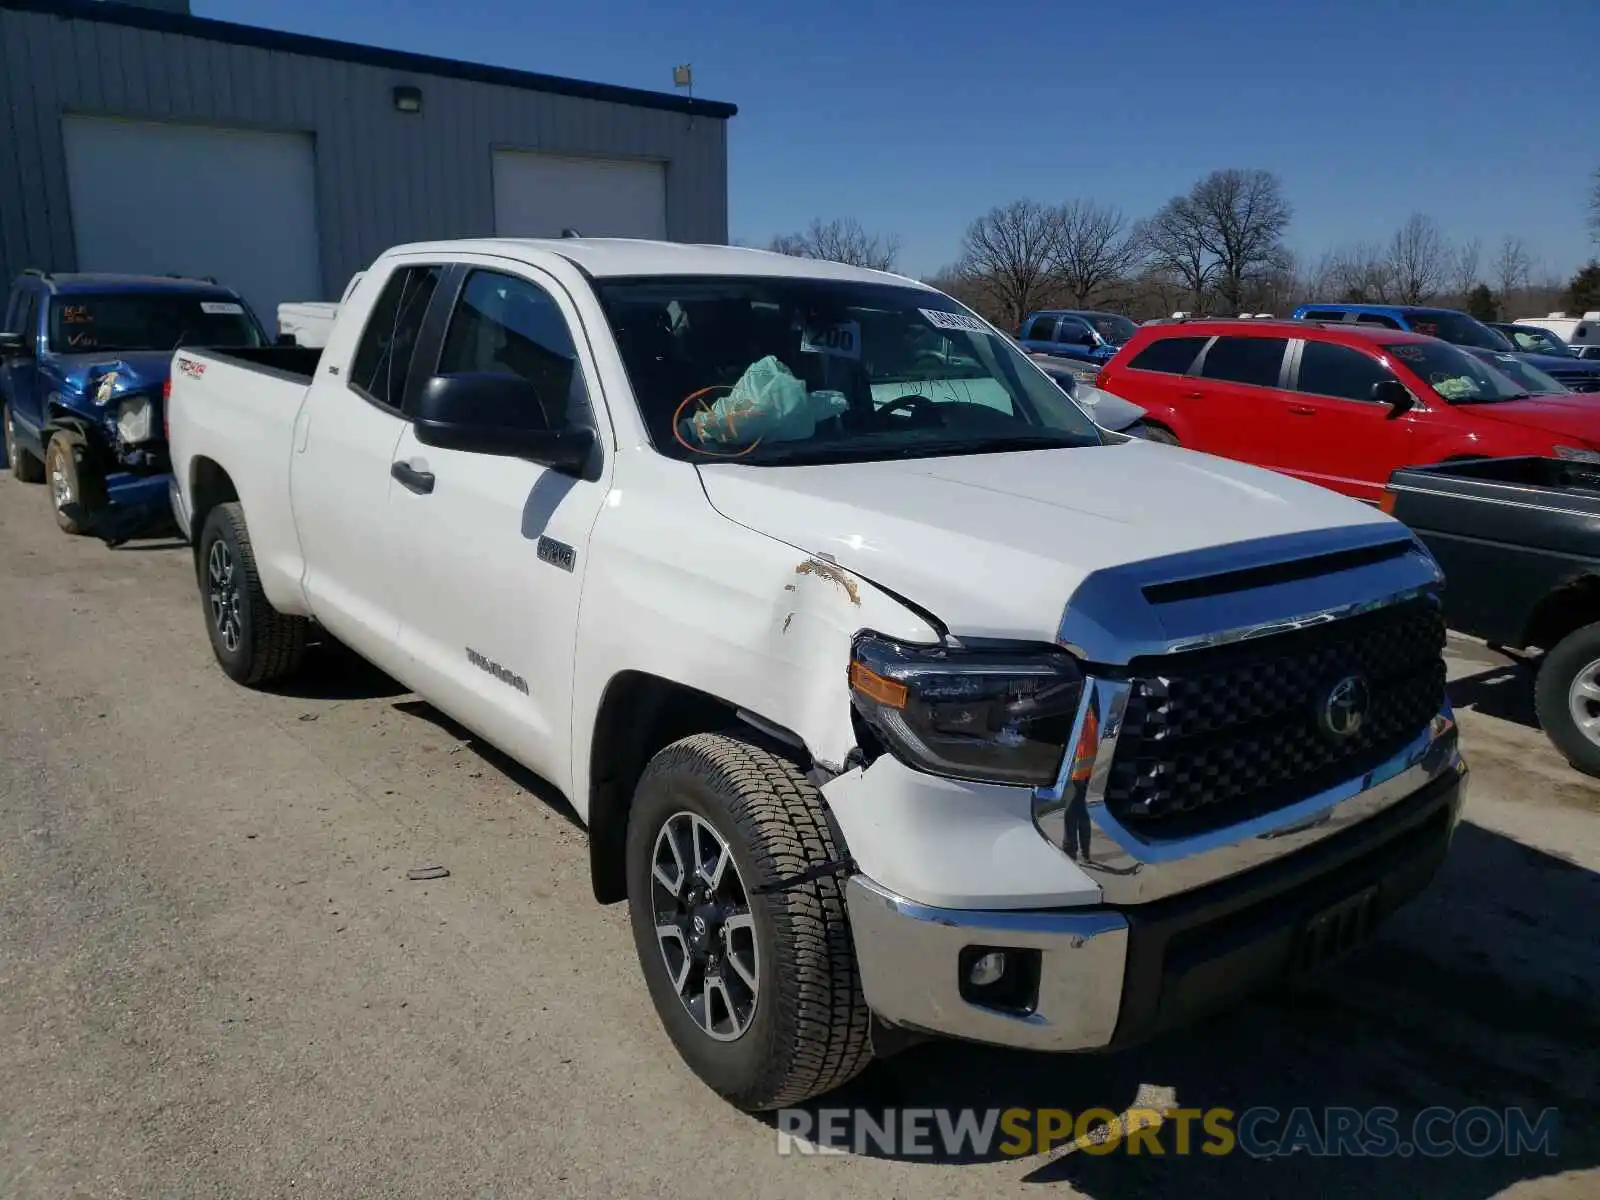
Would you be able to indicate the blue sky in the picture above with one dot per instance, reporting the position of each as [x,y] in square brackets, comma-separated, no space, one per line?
[916,117]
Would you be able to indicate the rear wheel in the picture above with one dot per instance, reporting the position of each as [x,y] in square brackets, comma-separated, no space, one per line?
[77,490]
[758,990]
[254,642]
[24,466]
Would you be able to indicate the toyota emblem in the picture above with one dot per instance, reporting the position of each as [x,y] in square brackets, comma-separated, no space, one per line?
[1344,711]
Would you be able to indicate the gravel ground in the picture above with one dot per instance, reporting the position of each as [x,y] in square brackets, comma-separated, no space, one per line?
[215,978]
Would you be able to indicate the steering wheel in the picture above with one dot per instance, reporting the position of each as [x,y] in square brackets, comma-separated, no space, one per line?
[912,403]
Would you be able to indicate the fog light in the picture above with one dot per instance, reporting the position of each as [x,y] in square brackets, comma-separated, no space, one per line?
[987,970]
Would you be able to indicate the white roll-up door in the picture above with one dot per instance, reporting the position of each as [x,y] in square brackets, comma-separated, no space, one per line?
[539,195]
[152,197]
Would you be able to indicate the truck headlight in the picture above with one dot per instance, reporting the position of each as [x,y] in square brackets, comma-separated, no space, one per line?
[994,716]
[135,419]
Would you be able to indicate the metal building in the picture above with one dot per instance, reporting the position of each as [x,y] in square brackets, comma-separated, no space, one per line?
[138,137]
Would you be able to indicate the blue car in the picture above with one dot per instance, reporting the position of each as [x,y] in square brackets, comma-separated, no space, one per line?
[1459,329]
[1075,333]
[84,360]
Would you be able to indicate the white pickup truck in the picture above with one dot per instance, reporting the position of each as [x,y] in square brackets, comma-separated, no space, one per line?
[899,699]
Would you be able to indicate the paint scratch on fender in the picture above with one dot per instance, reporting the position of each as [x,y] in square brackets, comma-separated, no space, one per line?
[833,573]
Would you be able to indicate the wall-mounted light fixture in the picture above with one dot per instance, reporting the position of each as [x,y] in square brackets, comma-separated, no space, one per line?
[408,99]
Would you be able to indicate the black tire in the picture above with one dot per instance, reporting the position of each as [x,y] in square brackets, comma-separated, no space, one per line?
[25,468]
[1571,656]
[254,642]
[1154,433]
[809,1031]
[77,489]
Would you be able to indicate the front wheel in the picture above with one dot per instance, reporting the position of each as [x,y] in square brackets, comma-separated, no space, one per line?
[758,990]
[1566,696]
[77,490]
[254,642]
[25,468]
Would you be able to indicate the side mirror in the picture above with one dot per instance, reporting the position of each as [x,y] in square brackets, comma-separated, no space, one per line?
[501,415]
[1393,393]
[13,345]
[1087,338]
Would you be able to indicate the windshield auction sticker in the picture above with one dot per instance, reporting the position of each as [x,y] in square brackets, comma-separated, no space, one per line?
[842,340]
[958,322]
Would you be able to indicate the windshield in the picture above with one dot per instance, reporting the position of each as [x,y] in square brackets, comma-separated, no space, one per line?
[1532,340]
[1458,377]
[1456,328]
[1525,375]
[149,321]
[1114,329]
[775,371]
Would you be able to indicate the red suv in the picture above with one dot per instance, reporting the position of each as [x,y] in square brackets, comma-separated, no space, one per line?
[1339,405]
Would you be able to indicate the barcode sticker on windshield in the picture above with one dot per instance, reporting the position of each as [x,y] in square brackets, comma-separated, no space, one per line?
[221,308]
[842,340]
[957,321]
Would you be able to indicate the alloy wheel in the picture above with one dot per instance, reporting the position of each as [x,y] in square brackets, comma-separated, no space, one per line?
[704,926]
[60,483]
[223,594]
[1583,701]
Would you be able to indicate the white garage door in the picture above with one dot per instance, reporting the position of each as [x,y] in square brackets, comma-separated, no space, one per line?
[236,204]
[539,195]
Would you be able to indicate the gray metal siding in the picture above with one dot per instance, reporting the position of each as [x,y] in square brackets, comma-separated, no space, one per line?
[383,177]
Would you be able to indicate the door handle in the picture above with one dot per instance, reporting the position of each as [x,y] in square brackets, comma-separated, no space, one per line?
[1302,410]
[411,478]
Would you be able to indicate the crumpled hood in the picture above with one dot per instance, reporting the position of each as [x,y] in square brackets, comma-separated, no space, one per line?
[1575,416]
[135,370]
[995,544]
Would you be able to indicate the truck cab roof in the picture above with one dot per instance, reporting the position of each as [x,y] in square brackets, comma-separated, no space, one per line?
[617,257]
[101,283]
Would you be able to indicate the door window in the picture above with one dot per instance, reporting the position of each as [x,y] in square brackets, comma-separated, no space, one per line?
[1323,315]
[1330,370]
[1377,319]
[1245,360]
[1171,356]
[503,325]
[1043,329]
[383,356]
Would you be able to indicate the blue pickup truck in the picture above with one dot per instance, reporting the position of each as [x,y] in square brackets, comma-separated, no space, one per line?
[84,361]
[1457,328]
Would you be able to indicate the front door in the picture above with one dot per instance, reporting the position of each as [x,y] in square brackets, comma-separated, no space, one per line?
[19,375]
[496,545]
[1330,431]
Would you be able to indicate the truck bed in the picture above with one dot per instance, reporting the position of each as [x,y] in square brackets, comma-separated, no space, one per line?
[296,363]
[1507,531]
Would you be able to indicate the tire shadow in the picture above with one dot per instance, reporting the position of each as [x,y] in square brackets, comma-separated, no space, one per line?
[1501,691]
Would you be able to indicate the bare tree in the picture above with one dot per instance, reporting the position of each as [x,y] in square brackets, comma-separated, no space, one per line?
[1094,248]
[1419,260]
[1465,265]
[1241,217]
[1511,269]
[1355,274]
[1007,253]
[1174,244]
[841,240]
[1594,208]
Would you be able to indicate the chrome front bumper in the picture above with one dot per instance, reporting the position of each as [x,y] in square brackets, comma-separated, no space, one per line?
[1112,975]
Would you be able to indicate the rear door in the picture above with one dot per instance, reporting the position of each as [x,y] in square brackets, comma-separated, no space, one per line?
[1236,394]
[1328,429]
[1039,334]
[345,438]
